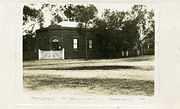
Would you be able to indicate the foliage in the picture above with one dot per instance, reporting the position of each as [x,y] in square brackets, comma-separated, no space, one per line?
[145,25]
[119,30]
[80,13]
[28,12]
[34,19]
[31,17]
[108,31]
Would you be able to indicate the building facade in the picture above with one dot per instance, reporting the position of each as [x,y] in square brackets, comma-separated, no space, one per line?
[56,42]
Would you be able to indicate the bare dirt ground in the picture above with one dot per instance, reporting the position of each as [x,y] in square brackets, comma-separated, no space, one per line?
[125,76]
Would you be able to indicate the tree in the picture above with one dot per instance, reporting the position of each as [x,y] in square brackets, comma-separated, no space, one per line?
[34,19]
[119,30]
[56,13]
[130,34]
[82,14]
[114,19]
[151,30]
[108,31]
[144,21]
[31,17]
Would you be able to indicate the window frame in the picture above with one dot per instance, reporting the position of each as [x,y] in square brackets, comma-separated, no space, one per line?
[75,43]
[90,44]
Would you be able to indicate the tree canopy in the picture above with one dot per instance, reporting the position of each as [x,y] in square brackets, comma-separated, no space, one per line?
[33,17]
[123,30]
[80,13]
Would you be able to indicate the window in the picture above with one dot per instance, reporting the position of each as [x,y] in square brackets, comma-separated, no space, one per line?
[90,43]
[75,43]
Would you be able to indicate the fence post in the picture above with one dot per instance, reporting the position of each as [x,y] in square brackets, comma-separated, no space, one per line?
[122,52]
[39,54]
[63,53]
[127,53]
[51,54]
[138,52]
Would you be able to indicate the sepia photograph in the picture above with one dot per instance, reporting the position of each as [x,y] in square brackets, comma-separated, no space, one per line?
[89,49]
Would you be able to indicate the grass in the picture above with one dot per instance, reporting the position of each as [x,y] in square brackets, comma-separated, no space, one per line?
[126,76]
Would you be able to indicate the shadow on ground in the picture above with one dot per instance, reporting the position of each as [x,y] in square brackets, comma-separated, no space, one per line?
[93,85]
[138,59]
[59,63]
[104,67]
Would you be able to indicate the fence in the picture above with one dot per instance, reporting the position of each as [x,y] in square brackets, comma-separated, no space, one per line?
[58,54]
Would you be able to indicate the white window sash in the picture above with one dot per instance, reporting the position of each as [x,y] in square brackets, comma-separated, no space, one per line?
[75,43]
[90,43]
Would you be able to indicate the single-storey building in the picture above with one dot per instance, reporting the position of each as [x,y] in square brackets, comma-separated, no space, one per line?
[58,42]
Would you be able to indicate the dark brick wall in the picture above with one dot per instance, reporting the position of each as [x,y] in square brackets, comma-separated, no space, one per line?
[65,37]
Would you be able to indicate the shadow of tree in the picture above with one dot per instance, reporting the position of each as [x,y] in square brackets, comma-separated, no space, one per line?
[59,63]
[137,59]
[104,67]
